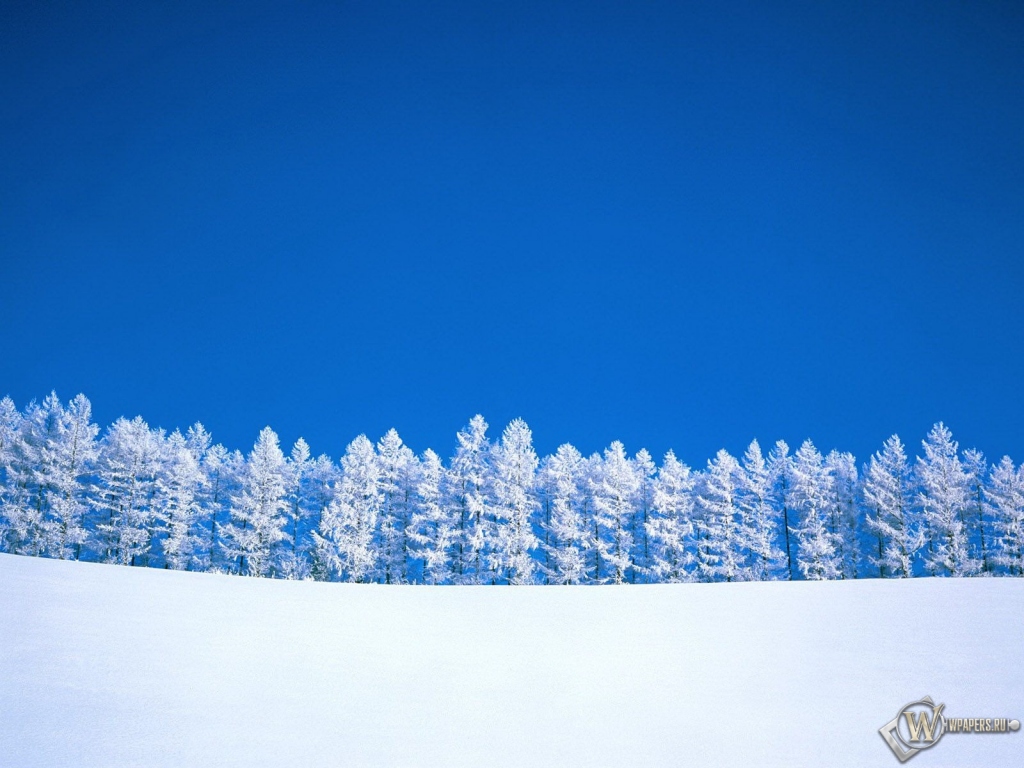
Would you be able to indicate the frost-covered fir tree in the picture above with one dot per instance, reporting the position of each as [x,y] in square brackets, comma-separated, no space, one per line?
[817,555]
[126,473]
[646,471]
[469,488]
[670,525]
[943,497]
[433,530]
[258,509]
[779,465]
[1004,503]
[397,478]
[47,456]
[515,467]
[977,469]
[761,524]
[344,542]
[888,498]
[568,542]
[721,550]
[615,487]
[843,511]
[223,472]
[292,558]
[177,502]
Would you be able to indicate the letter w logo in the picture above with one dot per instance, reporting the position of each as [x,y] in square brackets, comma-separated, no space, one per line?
[922,728]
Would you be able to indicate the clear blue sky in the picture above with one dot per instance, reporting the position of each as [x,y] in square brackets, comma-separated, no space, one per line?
[679,225]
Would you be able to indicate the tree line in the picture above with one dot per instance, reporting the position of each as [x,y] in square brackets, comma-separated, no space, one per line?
[496,513]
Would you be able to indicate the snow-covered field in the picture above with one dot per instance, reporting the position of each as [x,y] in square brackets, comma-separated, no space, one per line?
[113,666]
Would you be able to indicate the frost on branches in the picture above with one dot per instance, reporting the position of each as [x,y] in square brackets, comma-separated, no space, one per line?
[495,512]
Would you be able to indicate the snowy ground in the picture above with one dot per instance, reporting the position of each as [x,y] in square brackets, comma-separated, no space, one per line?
[105,665]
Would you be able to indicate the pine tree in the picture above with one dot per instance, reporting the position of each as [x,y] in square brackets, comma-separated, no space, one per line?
[817,556]
[179,483]
[760,523]
[1004,503]
[779,466]
[10,493]
[292,558]
[943,502]
[515,467]
[843,512]
[670,525]
[890,517]
[721,552]
[977,468]
[469,488]
[397,478]
[646,471]
[614,488]
[568,543]
[344,541]
[258,509]
[433,530]
[127,468]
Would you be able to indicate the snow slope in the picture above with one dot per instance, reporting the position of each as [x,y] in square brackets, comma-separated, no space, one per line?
[105,665]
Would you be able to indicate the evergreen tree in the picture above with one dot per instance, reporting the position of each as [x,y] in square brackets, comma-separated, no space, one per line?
[720,553]
[761,527]
[843,512]
[470,490]
[670,525]
[344,541]
[293,558]
[615,490]
[1005,505]
[817,556]
[397,478]
[515,467]
[977,468]
[568,542]
[779,466]
[646,471]
[129,460]
[178,484]
[433,530]
[258,509]
[890,518]
[943,502]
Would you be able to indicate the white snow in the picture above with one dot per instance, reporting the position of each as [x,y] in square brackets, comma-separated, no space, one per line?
[113,666]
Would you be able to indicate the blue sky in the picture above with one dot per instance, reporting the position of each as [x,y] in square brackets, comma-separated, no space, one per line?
[679,225]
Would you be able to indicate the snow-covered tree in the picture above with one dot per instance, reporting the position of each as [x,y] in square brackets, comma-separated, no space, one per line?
[1004,502]
[292,558]
[344,541]
[126,472]
[759,516]
[977,469]
[258,509]
[470,489]
[888,493]
[670,525]
[177,502]
[817,555]
[433,529]
[397,478]
[222,472]
[615,487]
[843,519]
[47,455]
[569,541]
[943,497]
[721,550]
[646,471]
[515,467]
[779,466]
